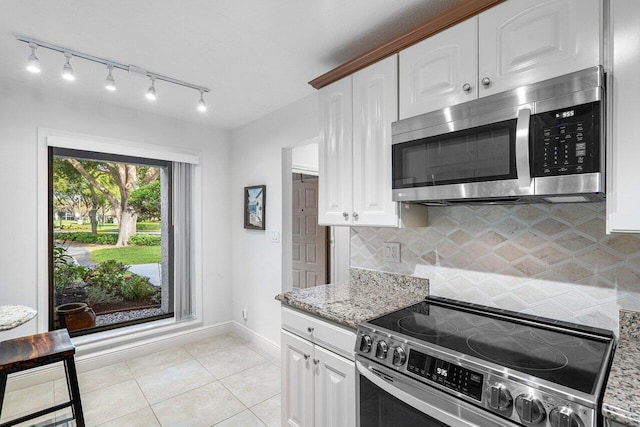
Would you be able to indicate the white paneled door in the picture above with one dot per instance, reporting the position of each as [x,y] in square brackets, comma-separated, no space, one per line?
[440,71]
[335,206]
[297,381]
[334,390]
[375,107]
[526,41]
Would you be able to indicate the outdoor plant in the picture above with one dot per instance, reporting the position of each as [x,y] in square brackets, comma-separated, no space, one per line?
[65,271]
[98,295]
[108,275]
[86,237]
[135,288]
[145,240]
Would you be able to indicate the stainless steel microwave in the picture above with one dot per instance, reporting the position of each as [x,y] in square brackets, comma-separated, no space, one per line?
[542,142]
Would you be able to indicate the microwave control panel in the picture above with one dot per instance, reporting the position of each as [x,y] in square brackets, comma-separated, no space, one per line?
[567,141]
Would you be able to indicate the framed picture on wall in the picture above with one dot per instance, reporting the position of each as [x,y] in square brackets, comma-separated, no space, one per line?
[255,198]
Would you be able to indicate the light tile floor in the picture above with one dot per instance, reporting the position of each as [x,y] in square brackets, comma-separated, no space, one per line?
[215,382]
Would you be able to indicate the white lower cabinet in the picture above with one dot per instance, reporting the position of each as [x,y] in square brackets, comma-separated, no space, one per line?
[318,385]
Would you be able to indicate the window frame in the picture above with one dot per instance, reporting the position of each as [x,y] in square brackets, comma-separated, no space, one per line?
[106,340]
[115,158]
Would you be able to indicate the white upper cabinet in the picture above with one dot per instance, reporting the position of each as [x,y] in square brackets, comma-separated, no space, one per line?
[525,41]
[623,142]
[375,107]
[440,71]
[355,150]
[515,43]
[334,163]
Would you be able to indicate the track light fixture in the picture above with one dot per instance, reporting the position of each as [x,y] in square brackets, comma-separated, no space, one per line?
[110,83]
[202,106]
[67,69]
[33,65]
[151,92]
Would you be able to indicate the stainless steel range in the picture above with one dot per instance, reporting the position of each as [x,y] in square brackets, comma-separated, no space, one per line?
[446,363]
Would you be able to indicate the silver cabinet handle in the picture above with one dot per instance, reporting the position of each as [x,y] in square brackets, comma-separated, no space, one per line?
[310,329]
[306,356]
[355,215]
[345,215]
[466,87]
[486,82]
[522,148]
[316,361]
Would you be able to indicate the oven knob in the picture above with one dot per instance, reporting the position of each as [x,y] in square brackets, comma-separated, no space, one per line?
[399,356]
[500,399]
[564,417]
[365,344]
[529,409]
[381,350]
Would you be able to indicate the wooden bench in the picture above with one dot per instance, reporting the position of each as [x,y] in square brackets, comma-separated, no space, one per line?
[29,352]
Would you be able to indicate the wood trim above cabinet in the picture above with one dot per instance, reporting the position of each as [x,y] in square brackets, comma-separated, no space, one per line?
[448,18]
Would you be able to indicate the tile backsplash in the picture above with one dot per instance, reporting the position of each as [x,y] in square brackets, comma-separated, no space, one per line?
[549,260]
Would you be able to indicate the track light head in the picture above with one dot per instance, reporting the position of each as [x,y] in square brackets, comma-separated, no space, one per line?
[151,92]
[67,69]
[202,106]
[33,63]
[110,83]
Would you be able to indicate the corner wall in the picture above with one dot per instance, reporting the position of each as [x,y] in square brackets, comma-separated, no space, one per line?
[24,109]
[256,159]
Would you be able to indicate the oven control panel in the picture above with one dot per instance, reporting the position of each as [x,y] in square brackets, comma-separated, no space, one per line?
[452,376]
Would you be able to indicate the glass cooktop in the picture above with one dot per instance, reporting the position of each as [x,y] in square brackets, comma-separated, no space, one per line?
[560,352]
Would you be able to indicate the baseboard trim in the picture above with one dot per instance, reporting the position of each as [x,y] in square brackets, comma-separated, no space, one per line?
[258,342]
[87,360]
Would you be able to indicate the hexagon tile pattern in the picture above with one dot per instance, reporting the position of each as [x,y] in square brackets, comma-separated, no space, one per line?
[548,260]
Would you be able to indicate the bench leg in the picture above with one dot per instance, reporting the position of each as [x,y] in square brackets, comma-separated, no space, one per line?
[74,391]
[3,387]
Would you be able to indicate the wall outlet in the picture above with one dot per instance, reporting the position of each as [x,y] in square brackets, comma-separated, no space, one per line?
[275,236]
[245,314]
[391,252]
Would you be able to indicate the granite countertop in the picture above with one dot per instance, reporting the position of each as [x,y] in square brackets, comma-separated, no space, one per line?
[621,401]
[366,295]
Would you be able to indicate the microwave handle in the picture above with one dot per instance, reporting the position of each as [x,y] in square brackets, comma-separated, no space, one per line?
[522,148]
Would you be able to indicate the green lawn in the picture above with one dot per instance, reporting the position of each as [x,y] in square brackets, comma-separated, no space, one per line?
[129,254]
[67,225]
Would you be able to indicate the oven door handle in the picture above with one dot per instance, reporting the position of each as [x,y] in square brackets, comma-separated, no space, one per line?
[425,408]
[523,166]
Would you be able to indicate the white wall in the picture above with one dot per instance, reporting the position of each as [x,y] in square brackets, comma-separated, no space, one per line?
[24,109]
[256,158]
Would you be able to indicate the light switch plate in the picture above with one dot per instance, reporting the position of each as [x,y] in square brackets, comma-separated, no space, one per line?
[391,252]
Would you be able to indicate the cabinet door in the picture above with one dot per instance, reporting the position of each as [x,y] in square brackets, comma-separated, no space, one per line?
[434,72]
[524,41]
[334,183]
[297,381]
[335,390]
[623,146]
[375,107]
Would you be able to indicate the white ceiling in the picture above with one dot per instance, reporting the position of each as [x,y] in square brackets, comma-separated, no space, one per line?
[256,55]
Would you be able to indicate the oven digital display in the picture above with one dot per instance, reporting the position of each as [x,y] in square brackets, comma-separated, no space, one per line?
[445,373]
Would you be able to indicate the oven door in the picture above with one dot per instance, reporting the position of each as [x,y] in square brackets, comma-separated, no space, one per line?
[387,398]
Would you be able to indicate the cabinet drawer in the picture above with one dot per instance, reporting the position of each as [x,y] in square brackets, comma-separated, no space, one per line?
[324,333]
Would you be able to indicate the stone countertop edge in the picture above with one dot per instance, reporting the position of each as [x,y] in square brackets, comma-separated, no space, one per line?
[621,402]
[367,294]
